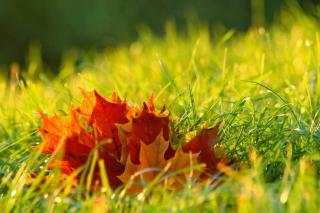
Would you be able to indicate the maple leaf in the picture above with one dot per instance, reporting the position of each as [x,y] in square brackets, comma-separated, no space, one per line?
[147,145]
[76,139]
[78,142]
[135,143]
[152,162]
[204,144]
[70,137]
[183,163]
[144,127]
[150,156]
[103,115]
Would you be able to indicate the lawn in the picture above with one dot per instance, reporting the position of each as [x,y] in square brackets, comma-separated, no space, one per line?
[262,84]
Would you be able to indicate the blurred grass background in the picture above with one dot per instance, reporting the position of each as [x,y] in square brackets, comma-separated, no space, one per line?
[58,26]
[262,81]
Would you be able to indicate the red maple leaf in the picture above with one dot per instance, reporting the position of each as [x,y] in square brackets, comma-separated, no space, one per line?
[127,139]
[144,127]
[78,142]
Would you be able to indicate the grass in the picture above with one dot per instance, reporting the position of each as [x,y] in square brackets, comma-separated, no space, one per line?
[263,84]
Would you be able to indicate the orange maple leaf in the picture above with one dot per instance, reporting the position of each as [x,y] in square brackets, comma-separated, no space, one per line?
[150,156]
[78,142]
[135,143]
[153,162]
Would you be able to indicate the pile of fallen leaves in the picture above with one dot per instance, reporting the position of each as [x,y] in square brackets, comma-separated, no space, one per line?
[136,144]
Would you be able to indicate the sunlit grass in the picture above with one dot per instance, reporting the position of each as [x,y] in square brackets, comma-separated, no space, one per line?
[263,84]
